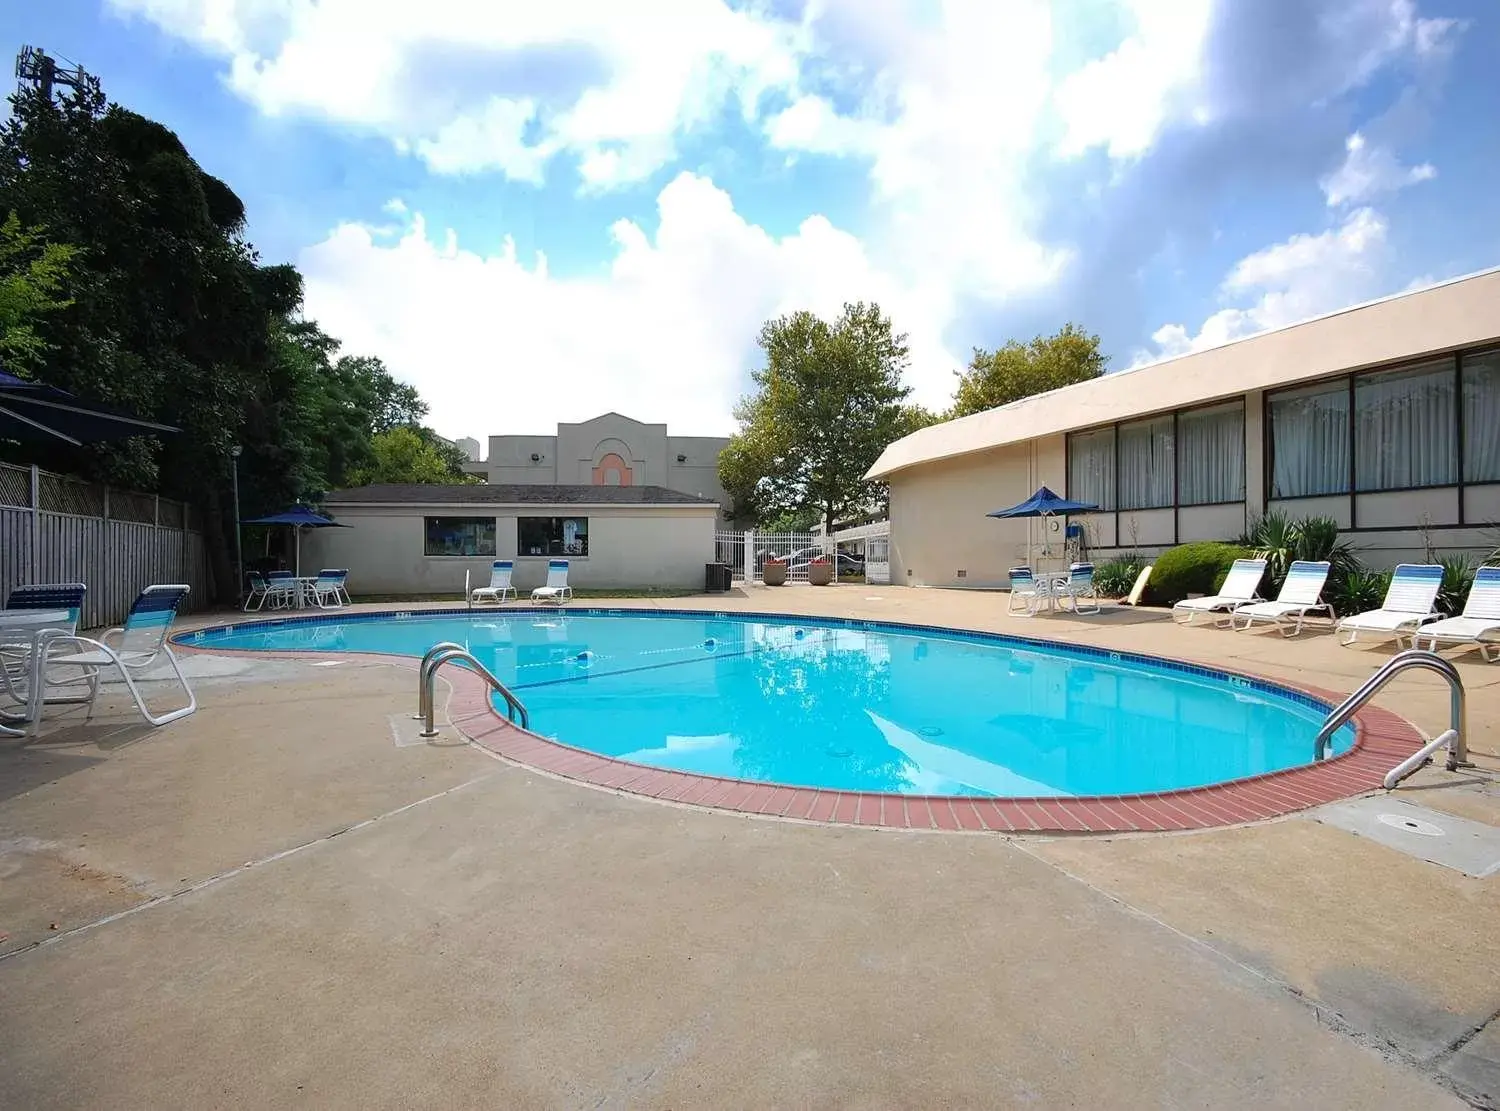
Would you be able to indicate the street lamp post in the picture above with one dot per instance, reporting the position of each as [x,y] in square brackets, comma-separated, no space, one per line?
[239,554]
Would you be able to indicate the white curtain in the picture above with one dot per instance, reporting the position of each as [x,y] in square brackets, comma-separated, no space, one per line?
[1310,441]
[1146,464]
[1404,428]
[1211,455]
[1091,467]
[1482,418]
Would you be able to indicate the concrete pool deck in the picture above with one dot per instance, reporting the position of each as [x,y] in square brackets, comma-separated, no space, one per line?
[285,899]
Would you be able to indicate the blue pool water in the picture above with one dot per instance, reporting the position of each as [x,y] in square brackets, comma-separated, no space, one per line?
[850,707]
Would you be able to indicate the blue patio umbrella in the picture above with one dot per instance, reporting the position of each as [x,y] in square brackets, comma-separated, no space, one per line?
[32,411]
[1043,503]
[297,518]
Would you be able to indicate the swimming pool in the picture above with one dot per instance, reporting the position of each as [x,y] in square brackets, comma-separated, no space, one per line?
[850,706]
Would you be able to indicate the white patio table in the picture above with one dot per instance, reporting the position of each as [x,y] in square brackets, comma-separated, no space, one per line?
[30,627]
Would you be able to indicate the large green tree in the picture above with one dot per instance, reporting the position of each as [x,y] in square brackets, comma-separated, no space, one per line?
[33,282]
[1019,370]
[827,401]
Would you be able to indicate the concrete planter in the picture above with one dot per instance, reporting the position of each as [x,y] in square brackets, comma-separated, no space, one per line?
[773,572]
[820,574]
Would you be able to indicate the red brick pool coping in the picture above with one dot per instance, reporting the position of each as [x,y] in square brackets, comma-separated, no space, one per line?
[1382,740]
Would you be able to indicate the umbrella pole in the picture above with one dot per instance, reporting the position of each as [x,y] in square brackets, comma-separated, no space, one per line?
[297,544]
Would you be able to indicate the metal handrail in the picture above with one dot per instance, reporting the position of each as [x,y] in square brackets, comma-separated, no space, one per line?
[436,657]
[1458,744]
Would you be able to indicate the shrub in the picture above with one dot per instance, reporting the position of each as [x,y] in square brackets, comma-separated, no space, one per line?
[1357,591]
[1458,577]
[1115,578]
[1280,541]
[1197,568]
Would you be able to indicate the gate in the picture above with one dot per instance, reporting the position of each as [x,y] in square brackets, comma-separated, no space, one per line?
[746,552]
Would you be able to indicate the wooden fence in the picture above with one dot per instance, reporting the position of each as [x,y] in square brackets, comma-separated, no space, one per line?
[54,528]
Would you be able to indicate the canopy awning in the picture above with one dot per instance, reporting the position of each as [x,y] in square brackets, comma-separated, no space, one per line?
[299,516]
[32,411]
[1044,503]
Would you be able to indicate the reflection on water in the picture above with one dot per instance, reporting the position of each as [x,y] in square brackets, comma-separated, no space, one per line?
[855,709]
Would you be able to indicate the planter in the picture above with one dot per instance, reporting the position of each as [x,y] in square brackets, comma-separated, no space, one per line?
[773,573]
[820,574]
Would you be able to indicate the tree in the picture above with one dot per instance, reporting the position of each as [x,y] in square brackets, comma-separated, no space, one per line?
[405,455]
[1019,370]
[33,274]
[827,402]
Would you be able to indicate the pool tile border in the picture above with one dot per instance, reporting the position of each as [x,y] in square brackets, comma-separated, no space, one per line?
[1382,739]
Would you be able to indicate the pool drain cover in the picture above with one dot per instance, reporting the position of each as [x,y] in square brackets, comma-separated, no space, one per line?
[1410,825]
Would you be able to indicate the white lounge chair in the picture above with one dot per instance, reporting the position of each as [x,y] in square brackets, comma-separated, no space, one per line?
[557,591]
[1301,594]
[1080,588]
[1241,587]
[327,589]
[1479,625]
[1139,589]
[142,641]
[1410,602]
[499,588]
[15,657]
[1025,589]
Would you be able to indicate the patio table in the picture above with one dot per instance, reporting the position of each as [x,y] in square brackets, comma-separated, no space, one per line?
[1048,583]
[30,627]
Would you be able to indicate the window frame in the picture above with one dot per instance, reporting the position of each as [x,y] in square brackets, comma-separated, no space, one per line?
[558,521]
[1177,502]
[428,553]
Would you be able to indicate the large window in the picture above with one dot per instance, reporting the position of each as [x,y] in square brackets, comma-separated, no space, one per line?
[1310,441]
[552,536]
[1146,464]
[1091,467]
[460,536]
[1482,417]
[1405,428]
[1211,455]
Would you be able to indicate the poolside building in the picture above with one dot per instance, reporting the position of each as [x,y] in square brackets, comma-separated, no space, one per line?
[609,450]
[420,539]
[1385,417]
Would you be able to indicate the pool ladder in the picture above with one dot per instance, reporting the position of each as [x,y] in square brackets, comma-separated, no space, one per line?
[447,652]
[1453,738]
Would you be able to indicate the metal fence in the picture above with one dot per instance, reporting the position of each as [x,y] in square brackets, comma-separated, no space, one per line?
[54,528]
[746,552]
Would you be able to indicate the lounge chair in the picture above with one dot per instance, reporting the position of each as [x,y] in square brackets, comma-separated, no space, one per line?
[67,597]
[500,587]
[1080,586]
[259,591]
[1479,625]
[1409,603]
[281,589]
[557,591]
[1301,594]
[1241,587]
[1025,589]
[142,641]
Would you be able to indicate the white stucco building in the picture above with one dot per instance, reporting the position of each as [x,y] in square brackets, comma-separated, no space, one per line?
[609,450]
[1385,417]
[416,539]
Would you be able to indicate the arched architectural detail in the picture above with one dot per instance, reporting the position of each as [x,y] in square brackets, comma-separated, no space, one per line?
[611,470]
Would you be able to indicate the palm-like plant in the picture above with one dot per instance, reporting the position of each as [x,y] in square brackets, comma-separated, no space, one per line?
[1273,538]
[1458,577]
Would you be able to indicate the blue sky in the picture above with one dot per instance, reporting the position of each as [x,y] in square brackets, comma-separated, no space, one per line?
[536,212]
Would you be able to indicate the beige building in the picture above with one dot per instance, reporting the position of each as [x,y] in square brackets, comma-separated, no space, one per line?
[1385,417]
[421,539]
[610,450]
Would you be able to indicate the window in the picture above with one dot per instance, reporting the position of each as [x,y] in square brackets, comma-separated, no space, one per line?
[1310,441]
[552,536]
[1481,403]
[1146,464]
[1211,455]
[1404,428]
[1091,467]
[460,536]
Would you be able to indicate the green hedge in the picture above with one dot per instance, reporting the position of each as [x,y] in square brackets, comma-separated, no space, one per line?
[1197,568]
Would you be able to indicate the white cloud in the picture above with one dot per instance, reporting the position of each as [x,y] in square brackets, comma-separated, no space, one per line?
[1369,170]
[666,333]
[1301,277]
[614,84]
[1122,101]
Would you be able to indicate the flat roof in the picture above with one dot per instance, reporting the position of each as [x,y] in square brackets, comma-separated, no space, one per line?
[510,493]
[1461,312]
